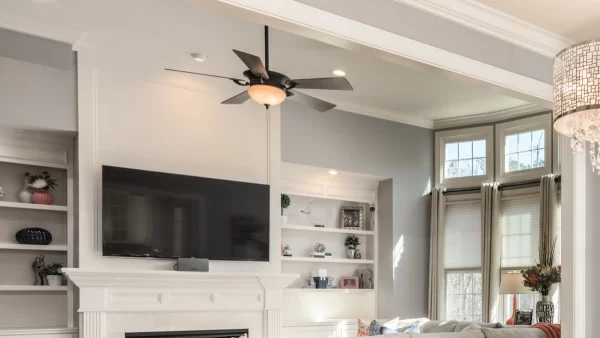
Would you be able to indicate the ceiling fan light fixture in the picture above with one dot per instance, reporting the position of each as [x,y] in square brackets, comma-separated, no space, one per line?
[199,57]
[266,94]
[338,72]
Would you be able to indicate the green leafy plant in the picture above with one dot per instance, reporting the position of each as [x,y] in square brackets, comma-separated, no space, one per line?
[352,242]
[285,202]
[53,269]
[319,247]
[41,182]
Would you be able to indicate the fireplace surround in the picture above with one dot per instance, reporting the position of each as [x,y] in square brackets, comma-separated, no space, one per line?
[190,334]
[113,303]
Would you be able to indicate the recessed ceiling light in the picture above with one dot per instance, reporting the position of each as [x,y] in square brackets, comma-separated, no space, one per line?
[332,172]
[338,72]
[199,57]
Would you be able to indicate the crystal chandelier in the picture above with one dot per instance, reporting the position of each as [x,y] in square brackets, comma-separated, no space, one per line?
[577,97]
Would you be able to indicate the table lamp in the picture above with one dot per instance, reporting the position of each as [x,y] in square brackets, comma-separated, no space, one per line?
[512,284]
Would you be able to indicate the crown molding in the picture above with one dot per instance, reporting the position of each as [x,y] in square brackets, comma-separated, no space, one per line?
[495,23]
[488,117]
[386,115]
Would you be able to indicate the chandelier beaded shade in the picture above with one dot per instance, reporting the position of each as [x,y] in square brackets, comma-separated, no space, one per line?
[577,97]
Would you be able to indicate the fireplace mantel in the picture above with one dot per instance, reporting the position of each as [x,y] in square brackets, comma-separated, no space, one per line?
[104,291]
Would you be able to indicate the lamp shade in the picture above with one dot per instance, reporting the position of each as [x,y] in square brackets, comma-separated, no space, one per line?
[512,284]
[266,94]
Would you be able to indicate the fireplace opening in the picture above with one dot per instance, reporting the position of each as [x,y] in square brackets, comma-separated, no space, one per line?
[191,334]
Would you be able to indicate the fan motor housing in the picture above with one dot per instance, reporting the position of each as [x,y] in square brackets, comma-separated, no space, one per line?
[275,79]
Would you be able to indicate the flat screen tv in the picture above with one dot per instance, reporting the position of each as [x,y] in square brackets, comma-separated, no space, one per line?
[152,214]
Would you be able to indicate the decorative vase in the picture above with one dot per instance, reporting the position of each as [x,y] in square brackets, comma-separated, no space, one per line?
[284,220]
[42,197]
[544,310]
[350,253]
[37,236]
[54,280]
[25,194]
[320,282]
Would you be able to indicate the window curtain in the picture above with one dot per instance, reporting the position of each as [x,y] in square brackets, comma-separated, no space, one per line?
[550,228]
[547,212]
[491,247]
[436,255]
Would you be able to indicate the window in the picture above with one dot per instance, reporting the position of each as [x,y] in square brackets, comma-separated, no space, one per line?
[524,151]
[465,159]
[463,296]
[520,230]
[462,260]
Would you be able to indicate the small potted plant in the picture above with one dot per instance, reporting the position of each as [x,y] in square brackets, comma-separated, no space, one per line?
[53,274]
[352,242]
[285,203]
[41,184]
[319,250]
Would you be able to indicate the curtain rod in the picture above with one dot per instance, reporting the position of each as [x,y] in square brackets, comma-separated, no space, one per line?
[519,185]
[460,191]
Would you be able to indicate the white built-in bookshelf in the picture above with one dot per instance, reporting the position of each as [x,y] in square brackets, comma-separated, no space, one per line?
[316,199]
[25,307]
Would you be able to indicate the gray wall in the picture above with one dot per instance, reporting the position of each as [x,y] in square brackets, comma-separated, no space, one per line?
[38,83]
[357,143]
[386,234]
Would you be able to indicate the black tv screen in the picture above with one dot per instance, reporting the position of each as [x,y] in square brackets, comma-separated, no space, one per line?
[152,214]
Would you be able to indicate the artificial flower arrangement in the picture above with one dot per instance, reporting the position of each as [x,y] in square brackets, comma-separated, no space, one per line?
[41,182]
[541,277]
[42,185]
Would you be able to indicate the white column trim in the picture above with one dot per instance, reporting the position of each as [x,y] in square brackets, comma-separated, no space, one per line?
[272,319]
[92,325]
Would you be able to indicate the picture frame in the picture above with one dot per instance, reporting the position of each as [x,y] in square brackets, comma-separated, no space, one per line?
[349,282]
[524,317]
[351,218]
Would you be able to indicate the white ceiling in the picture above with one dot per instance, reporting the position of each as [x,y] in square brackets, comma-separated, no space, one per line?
[160,34]
[576,20]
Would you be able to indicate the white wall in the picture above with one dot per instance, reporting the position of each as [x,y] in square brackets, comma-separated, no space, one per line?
[36,96]
[128,121]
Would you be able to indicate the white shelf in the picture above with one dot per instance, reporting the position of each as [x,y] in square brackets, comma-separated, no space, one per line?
[327,260]
[19,205]
[32,288]
[36,332]
[330,290]
[13,246]
[330,230]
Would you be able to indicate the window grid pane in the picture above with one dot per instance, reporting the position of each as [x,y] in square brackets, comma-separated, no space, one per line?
[463,296]
[524,151]
[465,159]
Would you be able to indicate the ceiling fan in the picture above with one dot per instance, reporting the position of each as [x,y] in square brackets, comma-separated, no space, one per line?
[270,88]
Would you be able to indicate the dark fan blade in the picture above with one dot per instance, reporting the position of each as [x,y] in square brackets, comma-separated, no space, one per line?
[336,83]
[253,63]
[217,76]
[238,99]
[313,102]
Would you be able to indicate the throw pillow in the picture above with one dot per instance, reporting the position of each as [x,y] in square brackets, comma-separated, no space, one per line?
[363,328]
[374,328]
[471,327]
[415,328]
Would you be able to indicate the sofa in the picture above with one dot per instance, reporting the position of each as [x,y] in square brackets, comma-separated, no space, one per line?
[456,329]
